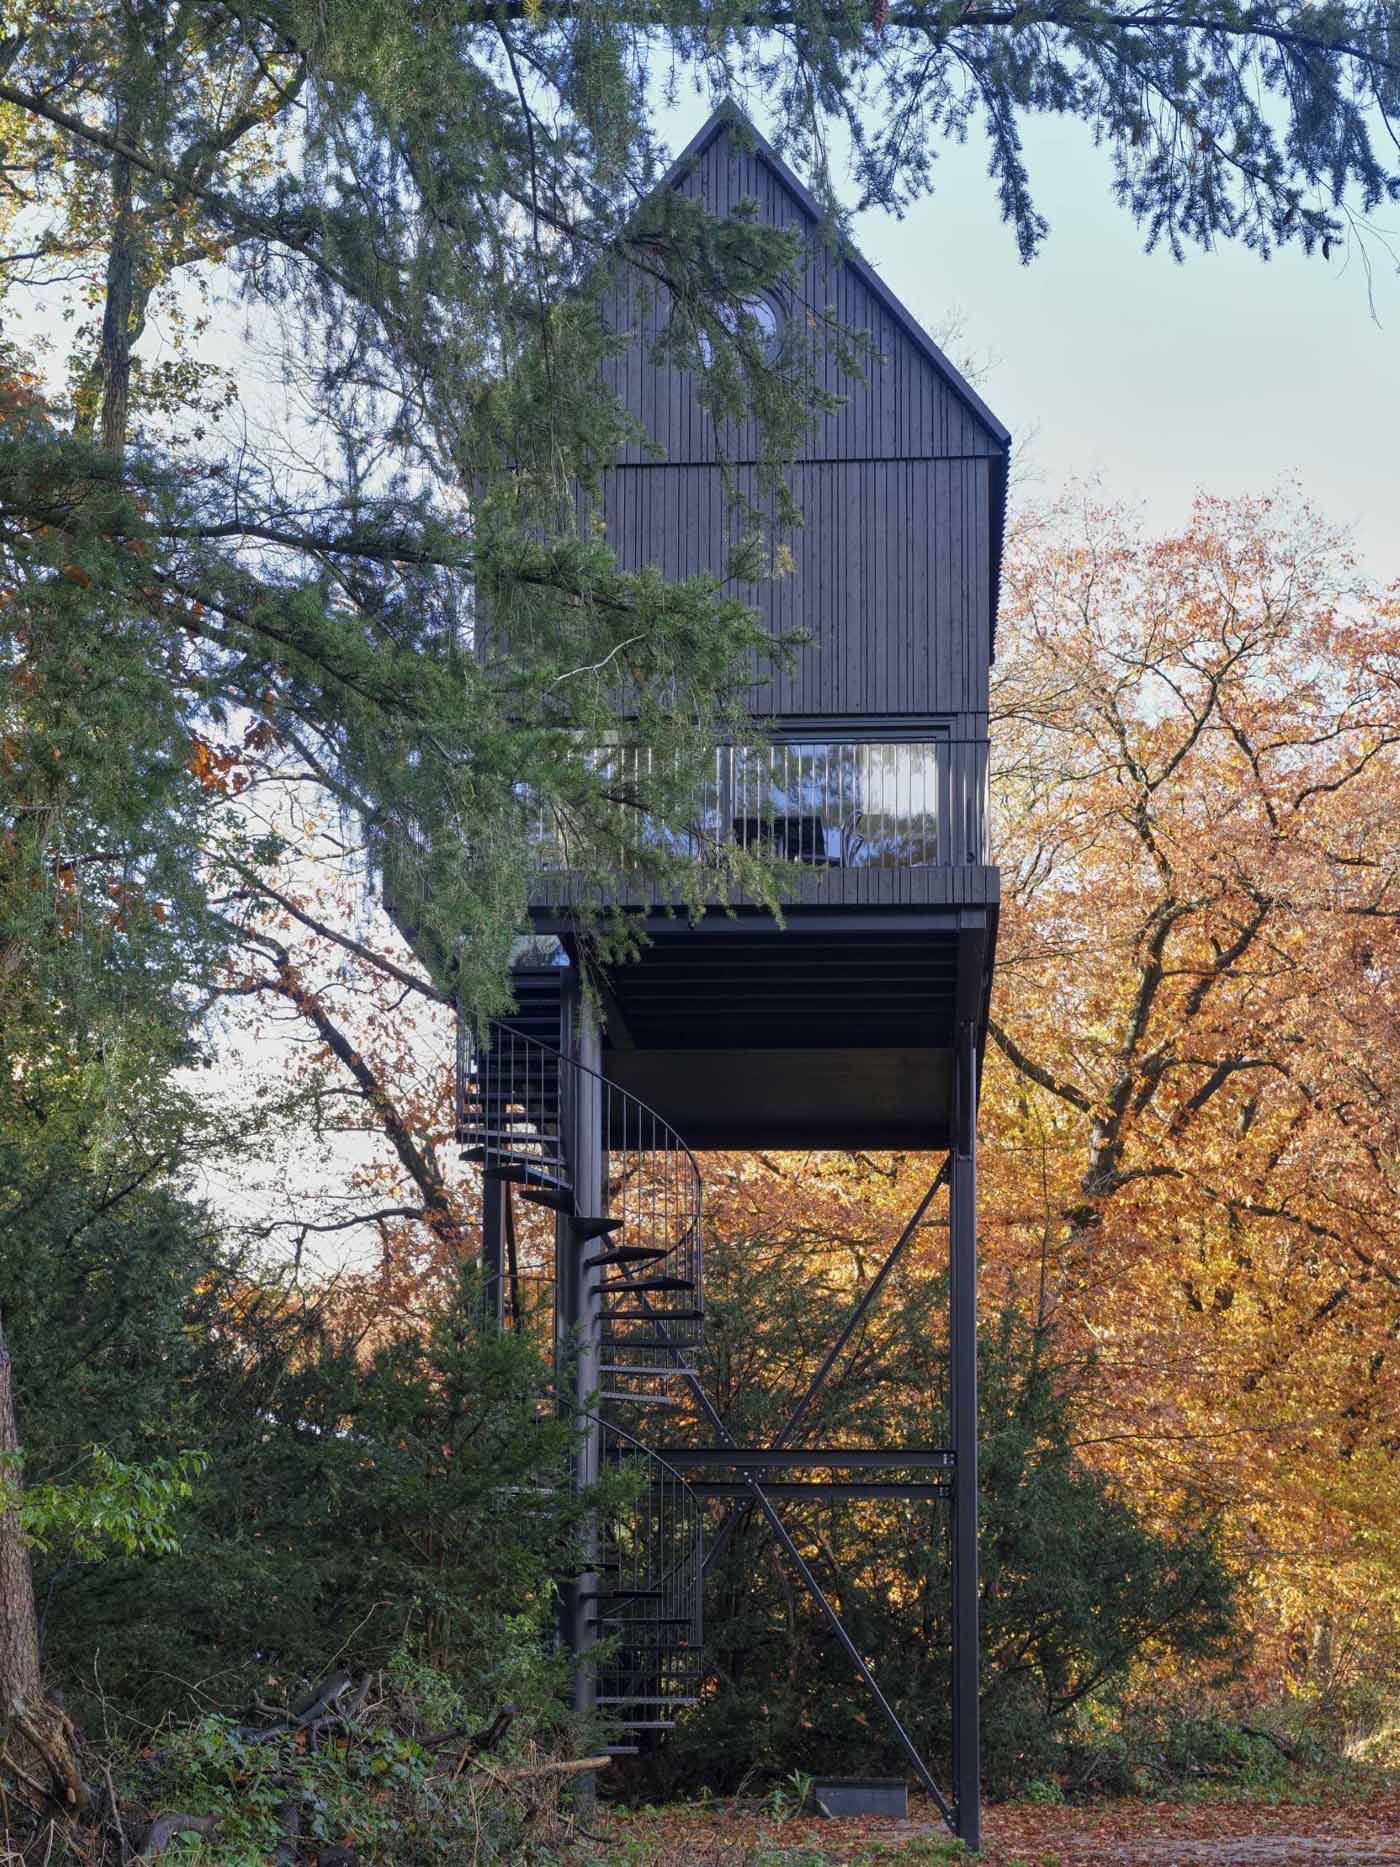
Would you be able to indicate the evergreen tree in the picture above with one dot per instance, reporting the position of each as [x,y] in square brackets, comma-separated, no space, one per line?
[357,1497]
[429,207]
[1076,1584]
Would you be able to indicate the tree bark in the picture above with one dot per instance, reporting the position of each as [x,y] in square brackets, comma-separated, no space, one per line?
[104,401]
[117,315]
[19,1619]
[33,1729]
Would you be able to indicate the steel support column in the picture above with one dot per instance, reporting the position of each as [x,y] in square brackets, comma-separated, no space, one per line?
[757,1496]
[962,1252]
[493,1250]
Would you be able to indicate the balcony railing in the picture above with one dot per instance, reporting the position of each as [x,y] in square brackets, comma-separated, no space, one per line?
[828,803]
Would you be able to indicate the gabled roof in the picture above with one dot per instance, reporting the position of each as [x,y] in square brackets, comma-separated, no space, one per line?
[729,115]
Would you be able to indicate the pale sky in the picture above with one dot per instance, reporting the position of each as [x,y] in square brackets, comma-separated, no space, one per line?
[1223,373]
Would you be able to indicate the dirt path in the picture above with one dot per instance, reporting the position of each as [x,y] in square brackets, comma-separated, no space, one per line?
[1118,1834]
[1219,1834]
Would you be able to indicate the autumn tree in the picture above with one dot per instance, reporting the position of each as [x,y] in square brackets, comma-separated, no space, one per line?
[1077,1586]
[1191,1099]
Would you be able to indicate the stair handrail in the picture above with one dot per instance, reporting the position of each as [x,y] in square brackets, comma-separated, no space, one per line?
[657,1458]
[680,1578]
[621,1432]
[468,1044]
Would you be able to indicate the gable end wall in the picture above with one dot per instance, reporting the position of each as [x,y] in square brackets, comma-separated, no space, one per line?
[893,579]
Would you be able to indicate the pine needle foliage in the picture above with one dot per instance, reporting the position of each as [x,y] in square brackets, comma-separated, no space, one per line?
[427,212]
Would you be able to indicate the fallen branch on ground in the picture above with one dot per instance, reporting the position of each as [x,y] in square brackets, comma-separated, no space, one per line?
[1286,1750]
[571,1766]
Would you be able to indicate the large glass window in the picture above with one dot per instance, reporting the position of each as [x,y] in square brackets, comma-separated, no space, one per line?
[836,803]
[832,803]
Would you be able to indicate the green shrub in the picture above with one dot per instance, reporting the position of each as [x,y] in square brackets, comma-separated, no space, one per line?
[382,1786]
[348,1501]
[1076,1585]
[1163,1745]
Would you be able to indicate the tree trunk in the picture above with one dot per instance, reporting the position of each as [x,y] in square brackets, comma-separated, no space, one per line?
[35,1734]
[121,316]
[19,1619]
[104,399]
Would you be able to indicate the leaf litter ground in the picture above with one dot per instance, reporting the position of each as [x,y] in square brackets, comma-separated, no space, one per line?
[1359,1833]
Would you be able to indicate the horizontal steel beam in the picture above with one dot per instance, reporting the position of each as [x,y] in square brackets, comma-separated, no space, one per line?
[816,1458]
[818,1490]
[744,988]
[752,921]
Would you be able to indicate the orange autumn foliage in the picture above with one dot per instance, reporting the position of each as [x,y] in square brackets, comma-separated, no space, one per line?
[1191,1101]
[1190,1126]
[1192,1105]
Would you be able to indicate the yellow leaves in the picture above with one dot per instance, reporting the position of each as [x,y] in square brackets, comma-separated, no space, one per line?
[218,769]
[1203,724]
[201,761]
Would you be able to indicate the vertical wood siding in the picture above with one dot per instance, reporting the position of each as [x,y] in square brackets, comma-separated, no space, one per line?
[903,409]
[889,584]
[893,581]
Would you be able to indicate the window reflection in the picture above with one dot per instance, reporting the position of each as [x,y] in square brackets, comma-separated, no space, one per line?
[829,803]
[836,804]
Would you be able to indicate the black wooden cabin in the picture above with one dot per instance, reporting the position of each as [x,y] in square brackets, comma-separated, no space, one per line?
[835,1031]
[857,1023]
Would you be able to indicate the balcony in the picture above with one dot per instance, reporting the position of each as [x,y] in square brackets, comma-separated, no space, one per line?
[826,804]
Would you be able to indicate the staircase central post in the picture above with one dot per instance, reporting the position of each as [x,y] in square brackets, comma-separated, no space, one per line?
[493,1234]
[580,1315]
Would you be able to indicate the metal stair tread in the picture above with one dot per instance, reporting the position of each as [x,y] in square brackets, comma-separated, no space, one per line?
[558,1202]
[650,1342]
[507,1163]
[632,1367]
[630,1286]
[508,1096]
[624,1254]
[608,1699]
[658,1621]
[522,1129]
[587,1226]
[642,1315]
[545,1177]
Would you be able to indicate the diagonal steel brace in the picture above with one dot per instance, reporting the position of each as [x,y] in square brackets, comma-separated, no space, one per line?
[735,1517]
[761,1501]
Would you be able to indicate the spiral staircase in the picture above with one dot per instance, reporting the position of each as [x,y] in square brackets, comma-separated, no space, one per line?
[634,1265]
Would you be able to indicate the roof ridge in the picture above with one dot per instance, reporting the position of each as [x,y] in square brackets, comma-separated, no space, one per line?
[728,112]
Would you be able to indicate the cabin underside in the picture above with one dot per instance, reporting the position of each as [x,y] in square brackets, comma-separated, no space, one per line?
[836,1029]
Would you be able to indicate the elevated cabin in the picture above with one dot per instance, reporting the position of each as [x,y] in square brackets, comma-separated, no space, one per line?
[838,1028]
[856,1023]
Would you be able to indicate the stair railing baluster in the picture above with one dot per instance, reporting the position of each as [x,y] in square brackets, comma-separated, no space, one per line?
[517,1114]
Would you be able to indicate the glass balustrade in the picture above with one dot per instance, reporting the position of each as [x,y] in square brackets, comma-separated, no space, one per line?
[836,804]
